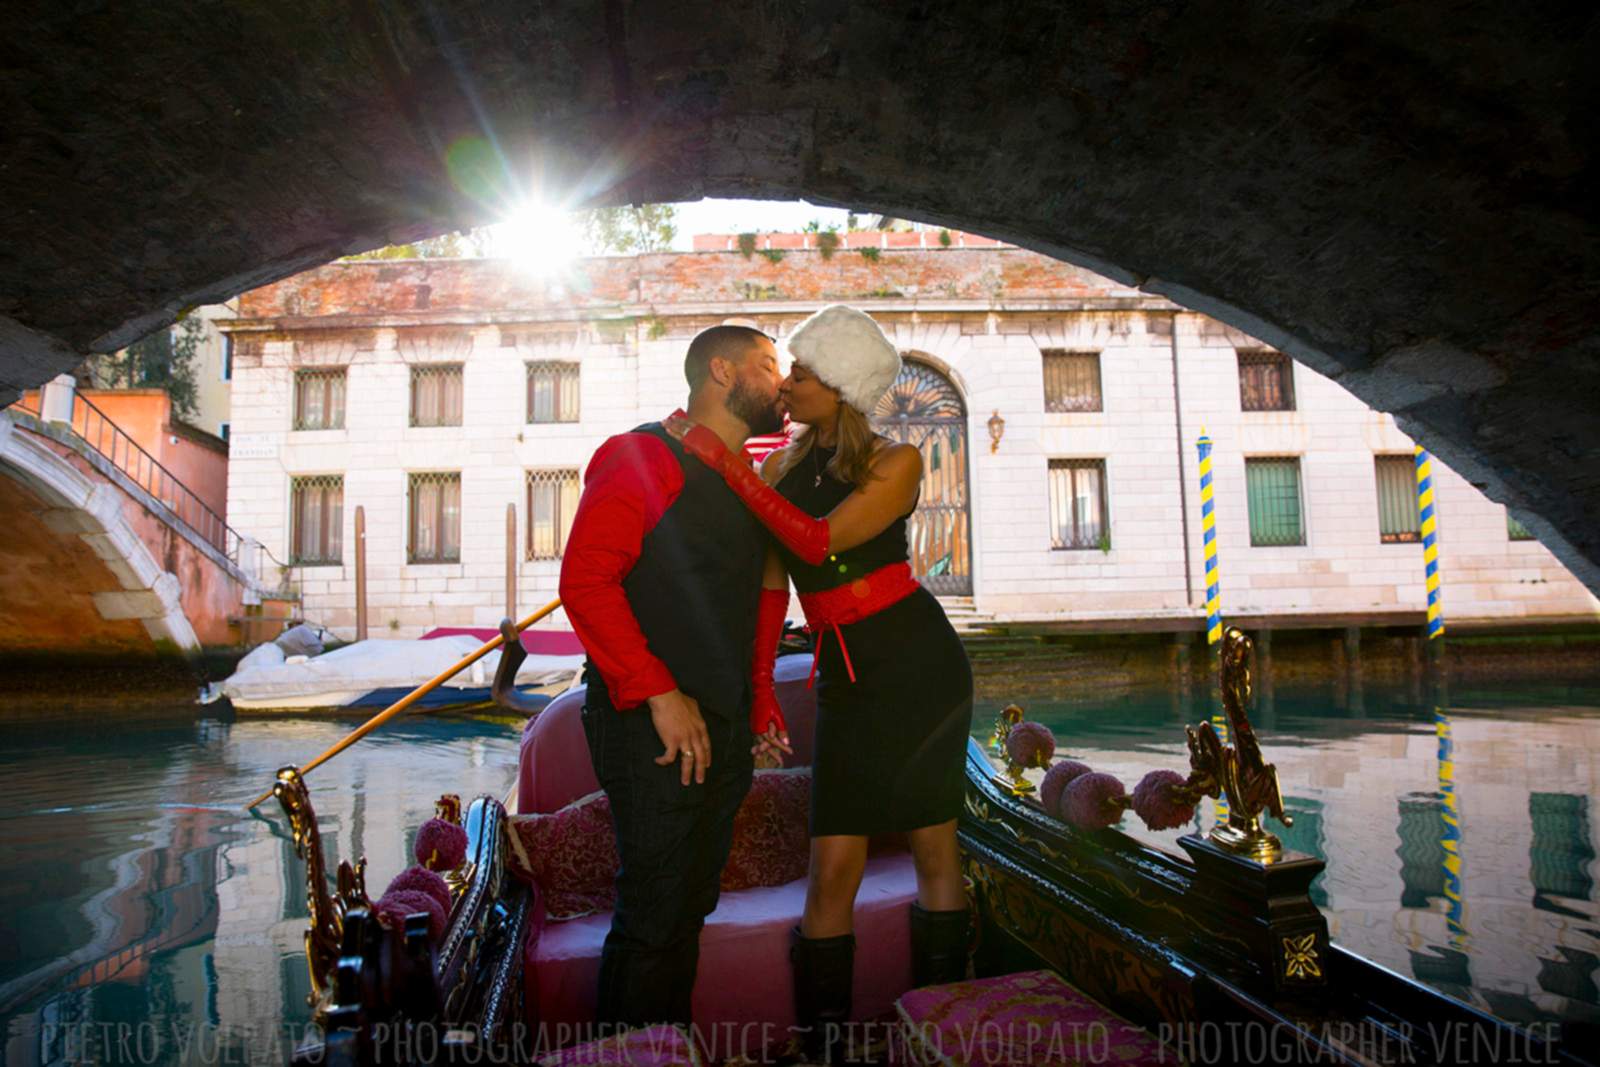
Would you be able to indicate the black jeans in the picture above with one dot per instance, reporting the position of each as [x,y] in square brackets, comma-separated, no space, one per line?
[673,841]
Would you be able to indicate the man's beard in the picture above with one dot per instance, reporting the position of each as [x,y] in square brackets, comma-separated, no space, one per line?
[763,416]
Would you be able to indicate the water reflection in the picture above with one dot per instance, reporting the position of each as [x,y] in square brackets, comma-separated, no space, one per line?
[1459,844]
[137,893]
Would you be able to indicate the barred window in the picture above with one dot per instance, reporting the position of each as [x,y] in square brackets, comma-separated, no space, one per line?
[435,518]
[552,392]
[1273,486]
[1516,531]
[1078,504]
[319,399]
[1266,381]
[1072,381]
[436,394]
[1398,517]
[316,520]
[552,501]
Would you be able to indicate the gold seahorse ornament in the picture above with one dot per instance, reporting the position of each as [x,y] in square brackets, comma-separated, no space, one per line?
[1237,770]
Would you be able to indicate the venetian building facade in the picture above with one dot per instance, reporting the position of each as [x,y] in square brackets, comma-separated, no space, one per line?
[1057,412]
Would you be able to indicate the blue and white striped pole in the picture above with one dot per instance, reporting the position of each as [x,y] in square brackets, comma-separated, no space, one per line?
[1430,541]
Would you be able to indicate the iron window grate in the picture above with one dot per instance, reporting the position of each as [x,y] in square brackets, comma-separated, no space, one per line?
[319,399]
[1078,504]
[436,394]
[1266,381]
[434,518]
[552,392]
[316,520]
[1398,518]
[1276,514]
[552,501]
[1072,381]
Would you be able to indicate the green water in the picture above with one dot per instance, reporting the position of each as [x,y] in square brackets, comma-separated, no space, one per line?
[1460,841]
[148,920]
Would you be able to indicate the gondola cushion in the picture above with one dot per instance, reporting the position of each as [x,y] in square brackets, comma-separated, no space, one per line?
[1033,1017]
[744,975]
[572,853]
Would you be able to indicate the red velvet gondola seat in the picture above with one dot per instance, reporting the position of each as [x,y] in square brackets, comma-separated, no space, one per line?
[744,976]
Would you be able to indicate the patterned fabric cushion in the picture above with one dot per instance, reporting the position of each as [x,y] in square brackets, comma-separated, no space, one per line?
[771,838]
[571,855]
[1018,1020]
[650,1045]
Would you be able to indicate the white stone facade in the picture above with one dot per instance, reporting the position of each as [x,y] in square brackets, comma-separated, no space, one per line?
[630,364]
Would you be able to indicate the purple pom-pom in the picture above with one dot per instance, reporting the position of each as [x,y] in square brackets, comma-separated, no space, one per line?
[1056,779]
[1093,801]
[1156,800]
[420,878]
[394,906]
[1030,744]
[441,845]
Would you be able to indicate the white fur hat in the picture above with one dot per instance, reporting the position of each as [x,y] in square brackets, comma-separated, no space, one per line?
[848,351]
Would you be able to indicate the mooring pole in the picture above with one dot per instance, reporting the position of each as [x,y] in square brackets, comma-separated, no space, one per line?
[1429,525]
[361,573]
[511,561]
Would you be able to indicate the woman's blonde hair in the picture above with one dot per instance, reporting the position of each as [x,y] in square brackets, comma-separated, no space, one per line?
[856,442]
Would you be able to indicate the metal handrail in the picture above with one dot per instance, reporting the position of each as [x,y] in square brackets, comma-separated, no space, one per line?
[128,456]
[112,442]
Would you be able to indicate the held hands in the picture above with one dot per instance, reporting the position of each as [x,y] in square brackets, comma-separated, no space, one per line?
[682,730]
[772,734]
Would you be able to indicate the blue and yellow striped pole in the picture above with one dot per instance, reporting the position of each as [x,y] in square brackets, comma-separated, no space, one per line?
[1208,535]
[1430,540]
[1455,907]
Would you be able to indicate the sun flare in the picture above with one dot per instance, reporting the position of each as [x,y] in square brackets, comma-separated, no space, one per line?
[540,239]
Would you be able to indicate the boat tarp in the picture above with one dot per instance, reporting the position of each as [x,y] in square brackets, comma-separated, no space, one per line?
[378,664]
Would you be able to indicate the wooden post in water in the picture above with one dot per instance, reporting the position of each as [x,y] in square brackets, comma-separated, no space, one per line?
[361,573]
[511,561]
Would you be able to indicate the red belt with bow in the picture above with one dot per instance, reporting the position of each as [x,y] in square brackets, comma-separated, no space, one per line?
[842,605]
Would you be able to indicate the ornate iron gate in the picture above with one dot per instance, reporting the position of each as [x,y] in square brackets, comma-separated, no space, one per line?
[923,408]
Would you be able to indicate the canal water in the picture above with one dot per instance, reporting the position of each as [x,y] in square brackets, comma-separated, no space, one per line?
[145,918]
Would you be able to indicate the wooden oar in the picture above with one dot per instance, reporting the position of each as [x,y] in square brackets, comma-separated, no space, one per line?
[415,695]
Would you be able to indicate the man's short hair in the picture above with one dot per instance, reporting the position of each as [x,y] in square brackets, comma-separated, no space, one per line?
[731,343]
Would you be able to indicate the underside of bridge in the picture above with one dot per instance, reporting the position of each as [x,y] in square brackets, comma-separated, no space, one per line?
[1402,196]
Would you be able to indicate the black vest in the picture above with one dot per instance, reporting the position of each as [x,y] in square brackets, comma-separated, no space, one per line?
[695,588]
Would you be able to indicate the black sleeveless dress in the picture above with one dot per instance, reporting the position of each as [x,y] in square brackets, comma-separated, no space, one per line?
[890,747]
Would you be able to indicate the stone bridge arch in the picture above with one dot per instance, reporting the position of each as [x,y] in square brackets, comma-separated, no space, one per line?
[74,573]
[1355,185]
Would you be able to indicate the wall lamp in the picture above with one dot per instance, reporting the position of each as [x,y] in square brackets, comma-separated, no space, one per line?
[997,430]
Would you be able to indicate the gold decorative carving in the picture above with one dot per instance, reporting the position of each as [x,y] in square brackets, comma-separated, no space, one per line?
[325,930]
[1012,779]
[1300,957]
[1238,769]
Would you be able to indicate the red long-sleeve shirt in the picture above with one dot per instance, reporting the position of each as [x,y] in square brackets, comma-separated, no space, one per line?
[631,482]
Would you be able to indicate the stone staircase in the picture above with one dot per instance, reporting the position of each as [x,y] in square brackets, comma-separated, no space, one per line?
[963,616]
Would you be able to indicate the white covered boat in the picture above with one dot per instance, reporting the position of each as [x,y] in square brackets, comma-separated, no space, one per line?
[370,675]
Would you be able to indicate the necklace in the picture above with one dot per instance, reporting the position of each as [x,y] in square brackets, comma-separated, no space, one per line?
[816,465]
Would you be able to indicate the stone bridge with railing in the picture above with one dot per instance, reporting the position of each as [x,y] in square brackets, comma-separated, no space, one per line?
[107,551]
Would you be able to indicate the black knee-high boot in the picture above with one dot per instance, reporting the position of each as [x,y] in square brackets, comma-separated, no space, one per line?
[940,941]
[824,976]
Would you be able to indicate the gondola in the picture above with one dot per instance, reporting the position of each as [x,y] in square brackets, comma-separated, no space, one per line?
[1215,956]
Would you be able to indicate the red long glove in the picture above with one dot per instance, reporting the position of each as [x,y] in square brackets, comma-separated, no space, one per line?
[765,711]
[805,536]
